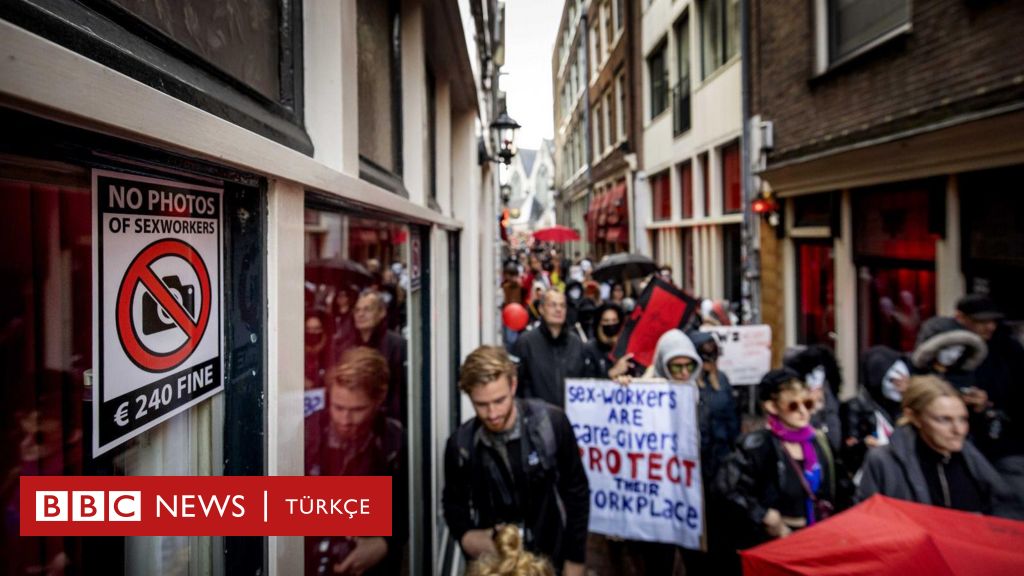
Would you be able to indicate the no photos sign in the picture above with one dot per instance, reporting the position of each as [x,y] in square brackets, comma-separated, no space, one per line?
[157,312]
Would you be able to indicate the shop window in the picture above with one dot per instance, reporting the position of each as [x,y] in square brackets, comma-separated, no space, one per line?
[732,191]
[686,188]
[662,196]
[894,249]
[993,237]
[813,210]
[815,272]
[378,28]
[50,374]
[732,244]
[705,183]
[358,282]
[687,280]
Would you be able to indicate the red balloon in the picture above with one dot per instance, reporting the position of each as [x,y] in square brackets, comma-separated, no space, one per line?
[515,317]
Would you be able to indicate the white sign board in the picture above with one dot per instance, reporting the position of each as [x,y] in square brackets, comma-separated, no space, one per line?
[640,446]
[745,351]
[157,292]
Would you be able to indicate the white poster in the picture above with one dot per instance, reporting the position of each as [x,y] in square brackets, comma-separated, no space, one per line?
[745,351]
[640,446]
[158,292]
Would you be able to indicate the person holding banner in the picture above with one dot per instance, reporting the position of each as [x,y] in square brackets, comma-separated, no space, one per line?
[599,354]
[516,463]
[782,477]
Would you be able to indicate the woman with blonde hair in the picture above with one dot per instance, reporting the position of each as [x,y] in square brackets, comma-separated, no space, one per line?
[929,459]
[511,559]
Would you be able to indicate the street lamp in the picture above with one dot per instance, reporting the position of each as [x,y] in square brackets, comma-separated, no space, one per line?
[504,129]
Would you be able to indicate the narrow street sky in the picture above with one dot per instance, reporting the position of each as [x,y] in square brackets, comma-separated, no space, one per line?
[530,30]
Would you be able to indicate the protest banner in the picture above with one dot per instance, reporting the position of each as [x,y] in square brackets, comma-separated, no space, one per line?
[640,446]
[660,308]
[745,352]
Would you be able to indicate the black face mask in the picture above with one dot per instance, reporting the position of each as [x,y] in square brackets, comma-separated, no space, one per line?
[611,330]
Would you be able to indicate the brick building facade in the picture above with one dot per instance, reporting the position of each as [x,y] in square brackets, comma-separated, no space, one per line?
[891,143]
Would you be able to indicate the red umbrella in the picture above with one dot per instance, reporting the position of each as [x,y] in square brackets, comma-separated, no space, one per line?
[556,234]
[883,536]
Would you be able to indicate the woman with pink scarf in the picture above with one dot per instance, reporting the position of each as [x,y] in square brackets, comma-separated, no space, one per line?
[782,477]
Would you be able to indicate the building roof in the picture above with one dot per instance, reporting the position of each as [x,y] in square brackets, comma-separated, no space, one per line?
[527,157]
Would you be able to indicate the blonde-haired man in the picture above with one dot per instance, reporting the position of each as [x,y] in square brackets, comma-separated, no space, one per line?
[516,462]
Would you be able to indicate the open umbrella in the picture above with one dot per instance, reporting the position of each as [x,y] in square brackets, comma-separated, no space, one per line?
[556,234]
[624,266]
[338,272]
[883,536]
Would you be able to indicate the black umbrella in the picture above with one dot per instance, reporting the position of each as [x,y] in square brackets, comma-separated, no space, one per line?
[338,272]
[623,266]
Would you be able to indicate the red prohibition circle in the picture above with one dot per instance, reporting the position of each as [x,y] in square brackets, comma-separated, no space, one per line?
[139,274]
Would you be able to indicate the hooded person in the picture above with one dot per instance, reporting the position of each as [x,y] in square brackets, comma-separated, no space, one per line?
[573,299]
[817,366]
[675,359]
[717,415]
[946,348]
[886,373]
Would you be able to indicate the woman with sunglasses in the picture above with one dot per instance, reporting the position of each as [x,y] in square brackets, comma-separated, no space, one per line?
[929,459]
[782,477]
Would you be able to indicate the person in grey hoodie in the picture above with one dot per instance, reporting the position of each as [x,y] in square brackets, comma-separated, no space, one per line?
[675,359]
[929,459]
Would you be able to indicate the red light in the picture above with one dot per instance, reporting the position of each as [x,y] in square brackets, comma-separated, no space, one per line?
[762,206]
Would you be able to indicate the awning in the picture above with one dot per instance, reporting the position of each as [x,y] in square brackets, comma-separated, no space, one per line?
[615,207]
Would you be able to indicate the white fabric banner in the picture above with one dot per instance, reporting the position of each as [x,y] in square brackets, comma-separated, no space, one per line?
[640,445]
[745,351]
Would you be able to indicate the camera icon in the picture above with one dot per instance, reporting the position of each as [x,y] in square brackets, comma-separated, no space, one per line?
[155,318]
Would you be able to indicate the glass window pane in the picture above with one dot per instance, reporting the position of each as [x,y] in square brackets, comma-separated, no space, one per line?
[815,293]
[732,236]
[377,32]
[686,188]
[893,223]
[356,354]
[241,38]
[732,194]
[893,301]
[858,22]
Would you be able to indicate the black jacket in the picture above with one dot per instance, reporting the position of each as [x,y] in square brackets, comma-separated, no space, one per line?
[719,423]
[381,454]
[1001,375]
[394,349]
[894,470]
[545,362]
[546,477]
[758,476]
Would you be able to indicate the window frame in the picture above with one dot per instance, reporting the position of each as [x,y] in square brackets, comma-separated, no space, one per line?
[105,32]
[825,37]
[660,51]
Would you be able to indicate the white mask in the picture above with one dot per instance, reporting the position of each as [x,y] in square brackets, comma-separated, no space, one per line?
[950,355]
[816,378]
[897,371]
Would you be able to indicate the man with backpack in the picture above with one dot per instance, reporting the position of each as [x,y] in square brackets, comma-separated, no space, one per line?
[517,463]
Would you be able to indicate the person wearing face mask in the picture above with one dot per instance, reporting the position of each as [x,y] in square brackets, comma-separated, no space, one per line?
[781,477]
[317,352]
[929,459]
[598,354]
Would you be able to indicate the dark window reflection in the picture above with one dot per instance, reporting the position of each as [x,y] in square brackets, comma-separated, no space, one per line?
[355,372]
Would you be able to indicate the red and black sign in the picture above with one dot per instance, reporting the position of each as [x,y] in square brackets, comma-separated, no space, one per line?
[659,309]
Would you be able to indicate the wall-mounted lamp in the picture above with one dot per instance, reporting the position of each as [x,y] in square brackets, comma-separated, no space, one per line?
[504,129]
[764,205]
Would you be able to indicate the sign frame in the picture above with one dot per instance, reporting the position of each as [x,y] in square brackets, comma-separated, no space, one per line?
[174,224]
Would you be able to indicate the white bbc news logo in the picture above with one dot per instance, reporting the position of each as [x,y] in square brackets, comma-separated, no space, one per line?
[89,506]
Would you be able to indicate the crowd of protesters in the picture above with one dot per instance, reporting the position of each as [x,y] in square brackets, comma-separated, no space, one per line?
[940,425]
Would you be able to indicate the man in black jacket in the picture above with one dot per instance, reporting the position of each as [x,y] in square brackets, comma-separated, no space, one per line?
[517,463]
[549,354]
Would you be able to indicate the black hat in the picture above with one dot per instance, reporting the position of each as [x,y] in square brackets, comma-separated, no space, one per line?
[774,380]
[978,307]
